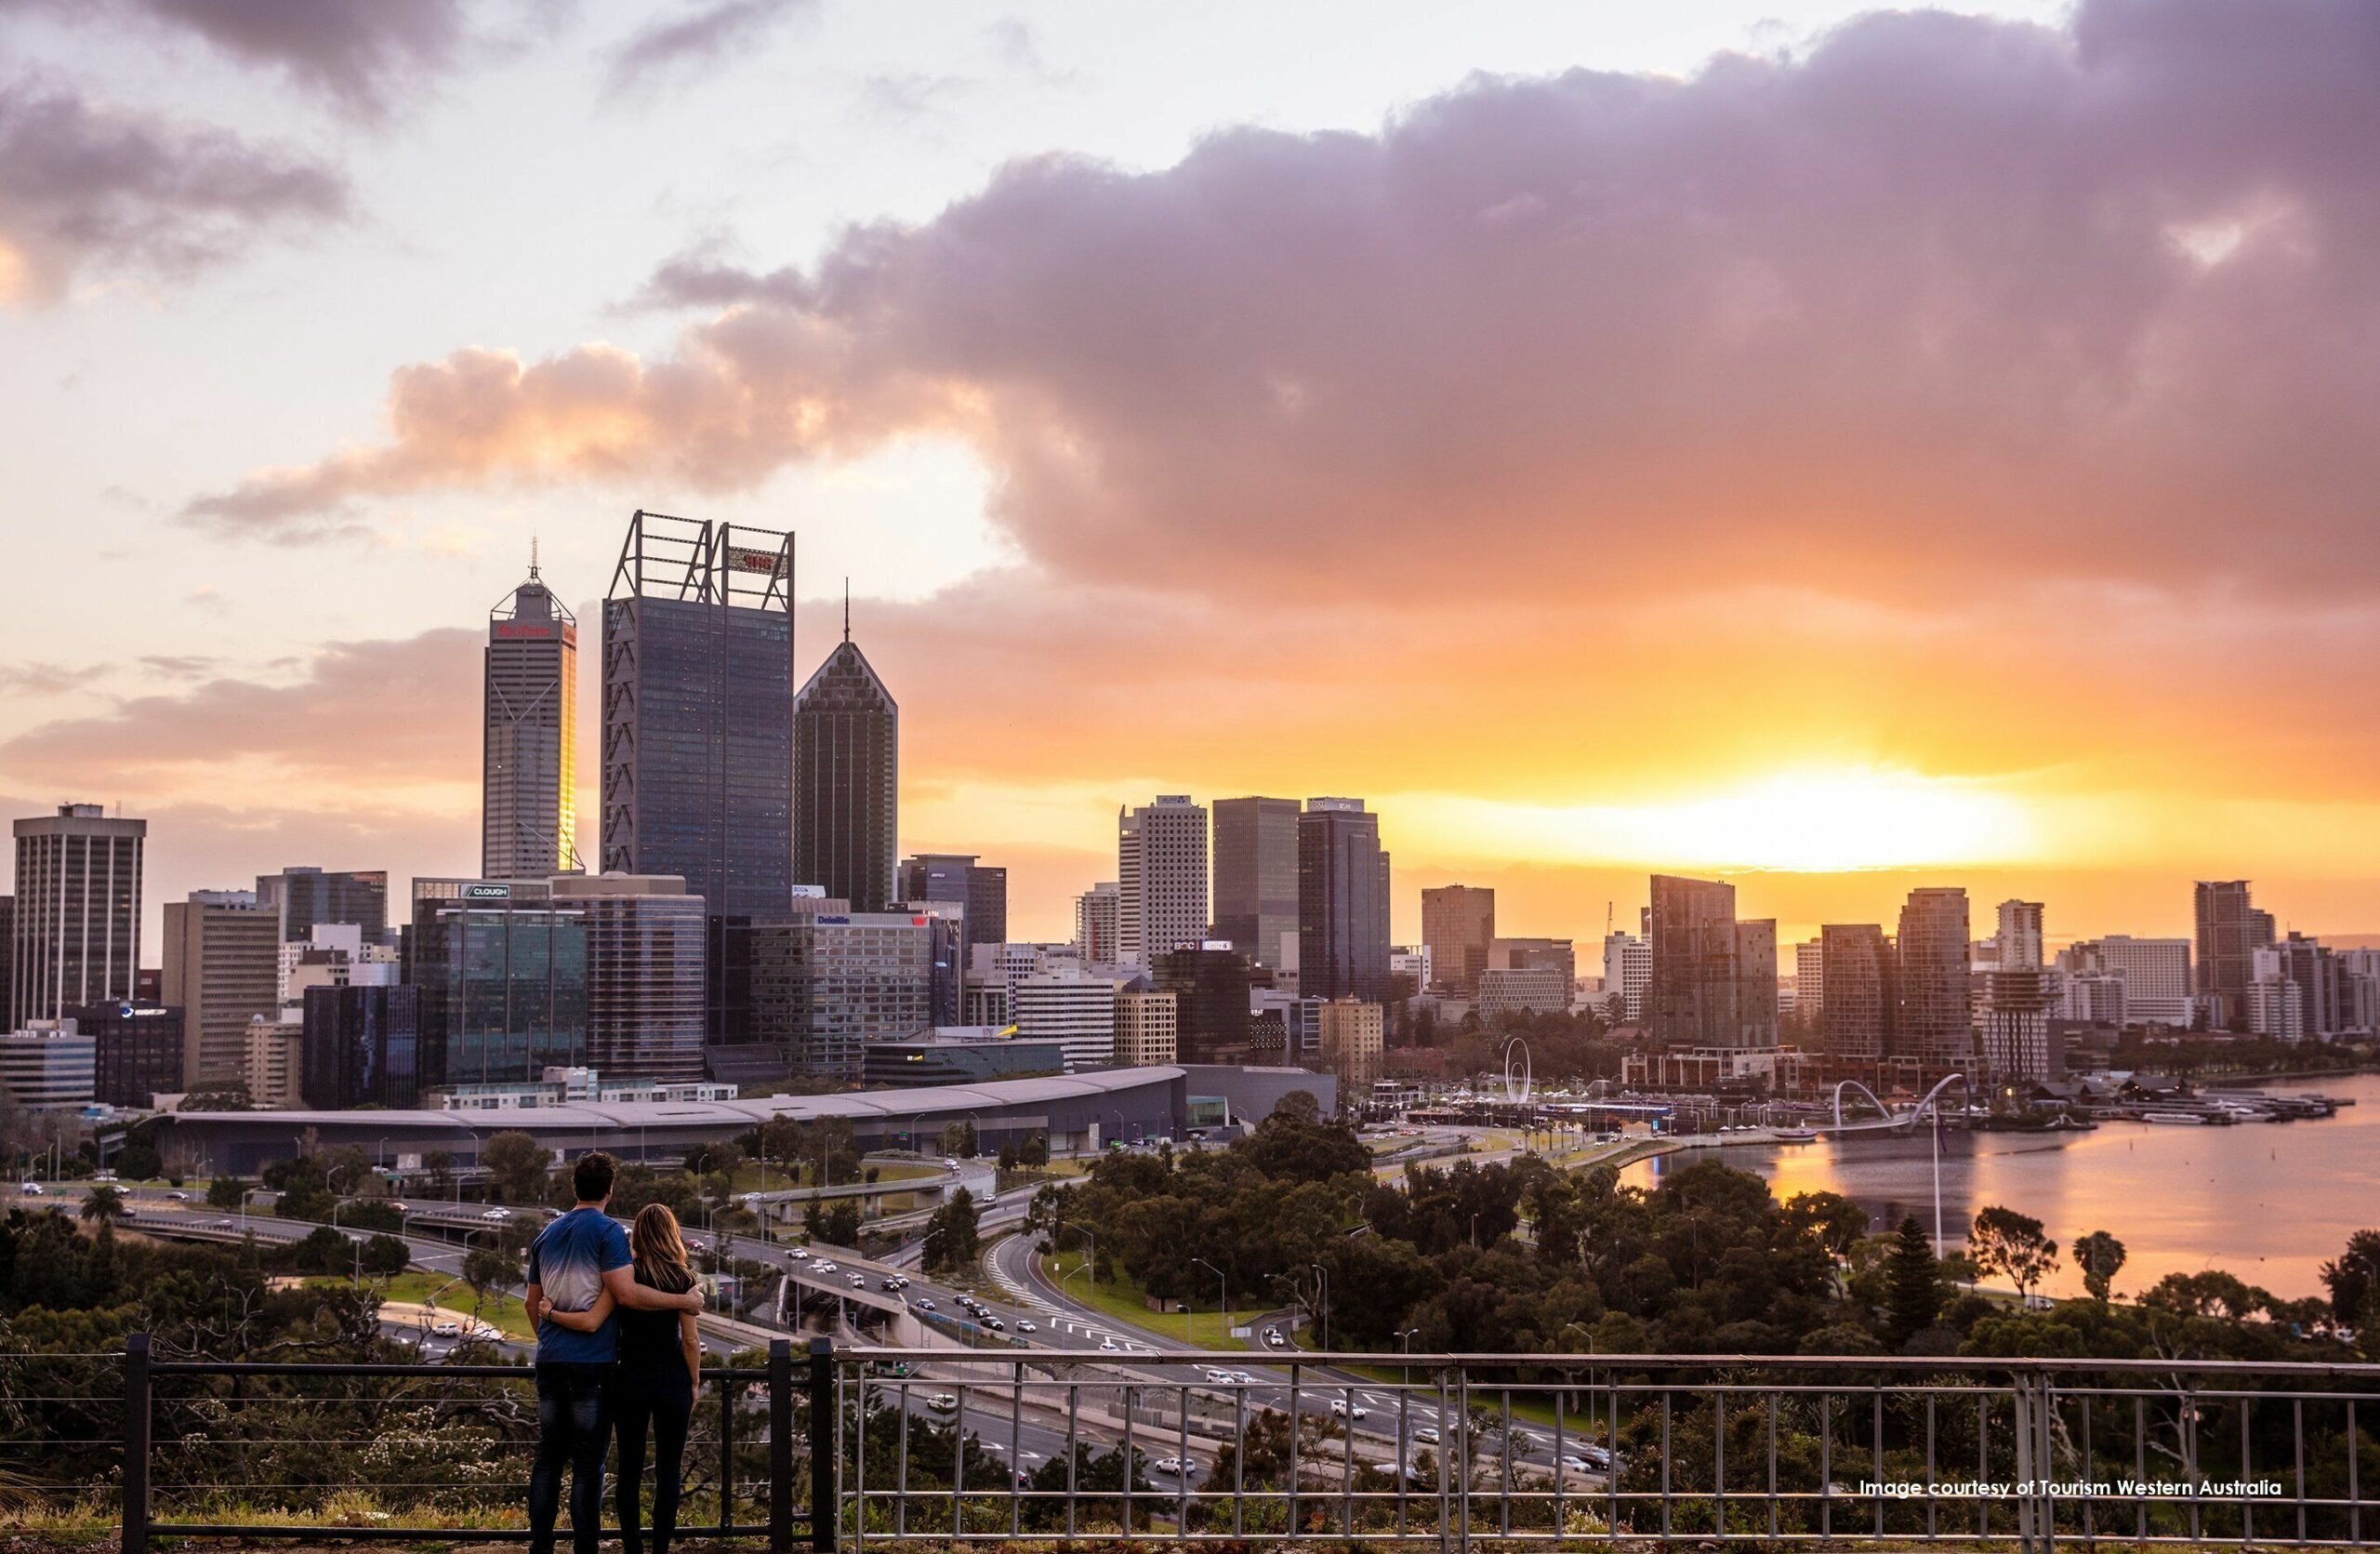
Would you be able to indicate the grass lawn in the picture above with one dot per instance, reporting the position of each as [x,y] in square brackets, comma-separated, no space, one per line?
[1122,1299]
[417,1286]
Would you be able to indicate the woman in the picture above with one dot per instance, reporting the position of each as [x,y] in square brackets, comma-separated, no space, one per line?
[659,1371]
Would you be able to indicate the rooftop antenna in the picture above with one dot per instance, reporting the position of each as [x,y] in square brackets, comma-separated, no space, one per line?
[533,558]
[847,609]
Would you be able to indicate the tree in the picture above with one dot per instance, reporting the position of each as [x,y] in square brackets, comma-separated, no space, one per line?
[516,1166]
[841,1224]
[2099,1255]
[2353,1277]
[484,1270]
[1912,1283]
[136,1162]
[2004,1242]
[385,1254]
[440,1164]
[959,1139]
[224,1192]
[104,1205]
[951,1240]
[1035,1150]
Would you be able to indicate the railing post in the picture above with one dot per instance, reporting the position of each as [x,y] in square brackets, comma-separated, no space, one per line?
[826,1508]
[780,1446]
[136,1444]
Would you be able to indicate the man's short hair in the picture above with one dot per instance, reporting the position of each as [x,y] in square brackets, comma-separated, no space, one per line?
[591,1177]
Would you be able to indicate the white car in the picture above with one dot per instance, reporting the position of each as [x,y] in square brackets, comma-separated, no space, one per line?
[1577,1464]
[857,1280]
[1107,1342]
[822,1266]
[942,1403]
[1174,1468]
[487,1333]
[799,1254]
[1221,1378]
[1023,1326]
[447,1328]
[1426,1434]
[1338,1406]
[497,1213]
[1273,1338]
[30,1190]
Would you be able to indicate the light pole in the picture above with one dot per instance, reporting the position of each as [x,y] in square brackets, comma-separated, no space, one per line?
[1405,1347]
[1224,1311]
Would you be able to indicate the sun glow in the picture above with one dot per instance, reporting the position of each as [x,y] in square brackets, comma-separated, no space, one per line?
[1819,820]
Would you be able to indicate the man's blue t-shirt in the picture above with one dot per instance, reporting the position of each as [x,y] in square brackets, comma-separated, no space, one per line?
[569,1258]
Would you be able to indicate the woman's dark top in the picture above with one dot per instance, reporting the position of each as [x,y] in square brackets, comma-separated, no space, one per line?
[649,1346]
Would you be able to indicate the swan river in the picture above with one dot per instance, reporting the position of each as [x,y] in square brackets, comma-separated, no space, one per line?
[2268,1201]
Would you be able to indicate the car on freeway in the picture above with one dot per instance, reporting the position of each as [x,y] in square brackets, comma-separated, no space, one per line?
[942,1403]
[1426,1434]
[1273,1338]
[822,1266]
[1107,1342]
[922,1304]
[1577,1464]
[996,1325]
[225,1225]
[1026,1325]
[486,1333]
[857,1280]
[1174,1468]
[1340,1406]
[890,1286]
[1221,1378]
[799,1254]
[446,1327]
[497,1213]
[177,1197]
[30,1190]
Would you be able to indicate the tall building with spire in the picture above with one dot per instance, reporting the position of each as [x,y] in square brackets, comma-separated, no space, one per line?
[847,780]
[529,767]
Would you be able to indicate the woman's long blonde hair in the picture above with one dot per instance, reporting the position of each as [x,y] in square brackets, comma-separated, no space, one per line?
[660,1250]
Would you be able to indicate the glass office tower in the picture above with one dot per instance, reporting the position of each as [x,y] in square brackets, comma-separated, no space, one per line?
[504,984]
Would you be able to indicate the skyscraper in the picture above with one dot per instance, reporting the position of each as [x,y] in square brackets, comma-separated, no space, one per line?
[2231,931]
[1098,925]
[1458,923]
[304,897]
[645,949]
[221,970]
[76,939]
[362,1047]
[1209,989]
[1256,875]
[1712,981]
[847,781]
[957,877]
[1161,877]
[699,726]
[1342,903]
[1933,1021]
[503,974]
[698,710]
[529,764]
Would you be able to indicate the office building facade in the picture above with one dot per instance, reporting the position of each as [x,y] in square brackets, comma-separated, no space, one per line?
[2231,931]
[825,986]
[48,1066]
[1256,876]
[1933,1018]
[1353,1039]
[646,946]
[959,878]
[362,1047]
[529,751]
[1161,878]
[1147,1030]
[1074,1009]
[1210,984]
[847,781]
[504,979]
[1860,997]
[221,970]
[2159,986]
[1713,979]
[1342,903]
[1099,924]
[76,934]
[137,1052]
[1458,925]
[304,898]
[697,778]
[1627,972]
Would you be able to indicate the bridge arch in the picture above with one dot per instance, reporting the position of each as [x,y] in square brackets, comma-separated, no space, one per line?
[1928,1103]
[1517,1095]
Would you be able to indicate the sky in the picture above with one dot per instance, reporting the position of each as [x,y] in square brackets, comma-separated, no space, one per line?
[1836,449]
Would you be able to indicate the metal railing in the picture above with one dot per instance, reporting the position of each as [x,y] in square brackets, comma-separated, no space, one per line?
[945,1444]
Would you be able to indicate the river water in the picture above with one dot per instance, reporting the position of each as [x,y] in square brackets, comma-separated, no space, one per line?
[2268,1201]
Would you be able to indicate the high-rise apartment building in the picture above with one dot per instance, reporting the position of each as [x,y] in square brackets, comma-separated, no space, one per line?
[49,1066]
[2231,931]
[77,937]
[1554,955]
[1810,983]
[1712,981]
[2018,944]
[699,725]
[1352,1038]
[826,985]
[1934,1019]
[1256,876]
[646,946]
[1857,975]
[1627,971]
[1074,1008]
[1161,877]
[1099,924]
[221,970]
[272,1060]
[1342,903]
[529,762]
[1531,990]
[1459,923]
[8,955]
[2156,976]
[2014,995]
[1146,1032]
[847,781]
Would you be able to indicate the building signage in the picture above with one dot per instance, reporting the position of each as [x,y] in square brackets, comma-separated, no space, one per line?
[511,629]
[745,558]
[487,892]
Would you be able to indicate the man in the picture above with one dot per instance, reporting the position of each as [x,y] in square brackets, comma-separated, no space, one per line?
[572,1261]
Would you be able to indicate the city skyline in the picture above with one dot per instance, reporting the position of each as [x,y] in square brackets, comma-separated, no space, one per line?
[1913,630]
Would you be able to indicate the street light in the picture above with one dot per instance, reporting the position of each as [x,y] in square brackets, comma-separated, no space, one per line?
[1225,1309]
[1405,1347]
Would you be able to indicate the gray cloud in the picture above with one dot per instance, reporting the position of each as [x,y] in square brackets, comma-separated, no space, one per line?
[39,677]
[84,186]
[699,39]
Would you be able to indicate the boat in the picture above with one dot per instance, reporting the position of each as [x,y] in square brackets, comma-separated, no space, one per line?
[1797,1136]
[2178,1118]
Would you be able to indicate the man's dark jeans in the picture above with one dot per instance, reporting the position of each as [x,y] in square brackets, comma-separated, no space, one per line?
[574,1429]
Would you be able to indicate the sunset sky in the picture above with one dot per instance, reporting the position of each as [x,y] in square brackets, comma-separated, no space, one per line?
[1841,449]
